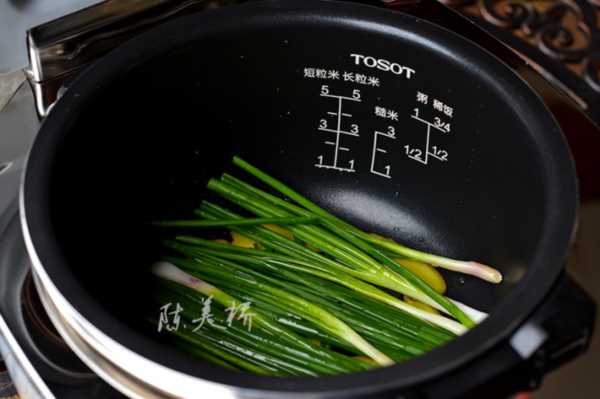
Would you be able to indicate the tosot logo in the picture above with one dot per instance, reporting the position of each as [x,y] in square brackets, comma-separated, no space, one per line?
[383,65]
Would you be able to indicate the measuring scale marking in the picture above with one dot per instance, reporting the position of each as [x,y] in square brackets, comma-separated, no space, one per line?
[323,127]
[430,151]
[391,134]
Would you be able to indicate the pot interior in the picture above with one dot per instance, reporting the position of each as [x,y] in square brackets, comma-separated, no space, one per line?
[143,146]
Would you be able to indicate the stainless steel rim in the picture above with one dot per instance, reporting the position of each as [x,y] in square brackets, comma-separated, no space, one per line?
[127,371]
[102,366]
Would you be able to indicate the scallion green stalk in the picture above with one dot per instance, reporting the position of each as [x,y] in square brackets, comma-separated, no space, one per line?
[316,314]
[477,269]
[348,232]
[237,222]
[244,255]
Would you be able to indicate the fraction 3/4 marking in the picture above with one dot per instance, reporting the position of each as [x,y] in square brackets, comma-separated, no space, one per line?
[338,131]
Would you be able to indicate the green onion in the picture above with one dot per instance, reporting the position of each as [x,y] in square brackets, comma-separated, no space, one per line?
[349,252]
[312,281]
[350,233]
[257,340]
[398,344]
[468,267]
[283,245]
[310,311]
[244,255]
[237,222]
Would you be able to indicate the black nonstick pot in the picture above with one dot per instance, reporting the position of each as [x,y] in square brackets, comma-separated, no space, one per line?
[389,121]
